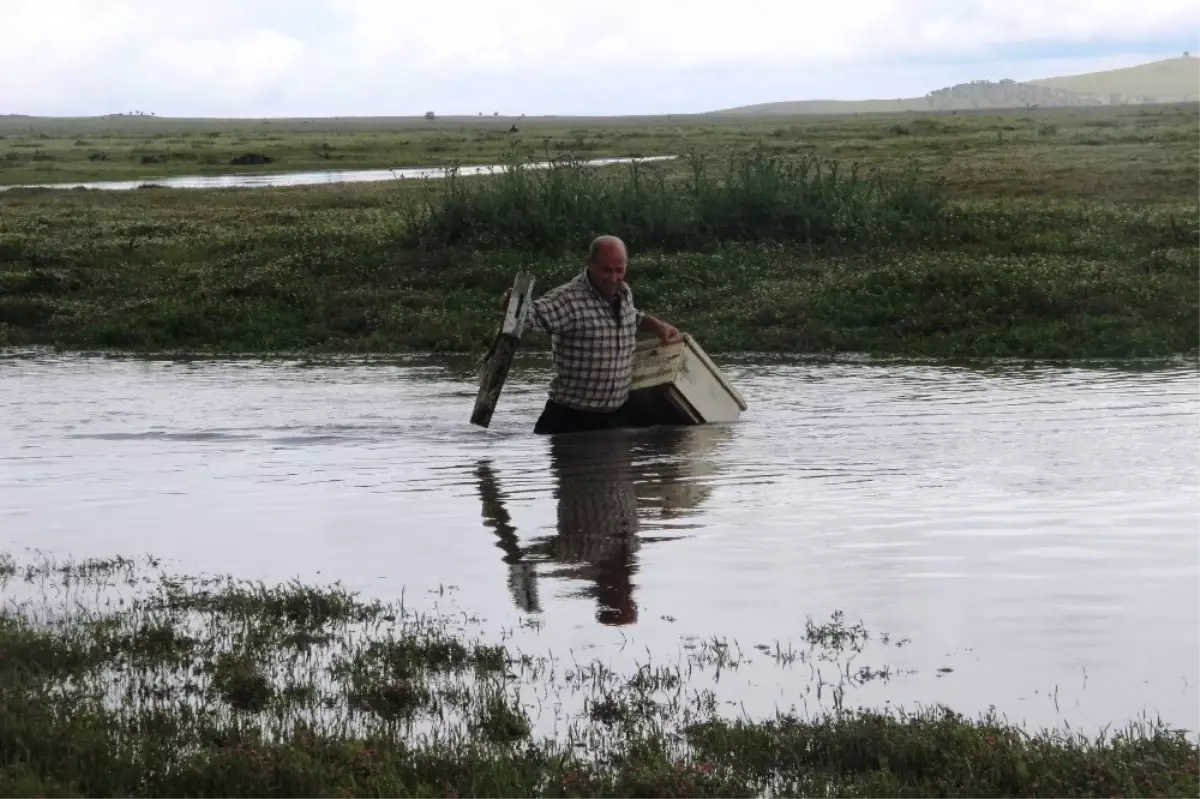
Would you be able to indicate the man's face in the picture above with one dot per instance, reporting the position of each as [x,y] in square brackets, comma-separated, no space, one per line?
[607,270]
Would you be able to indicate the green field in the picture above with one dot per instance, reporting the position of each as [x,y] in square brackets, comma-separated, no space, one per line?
[1142,153]
[219,687]
[37,152]
[1038,233]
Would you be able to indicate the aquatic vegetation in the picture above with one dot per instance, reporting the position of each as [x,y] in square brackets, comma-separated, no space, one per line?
[119,678]
[755,197]
[165,685]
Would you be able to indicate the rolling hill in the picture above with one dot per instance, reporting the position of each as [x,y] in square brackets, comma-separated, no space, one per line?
[1172,80]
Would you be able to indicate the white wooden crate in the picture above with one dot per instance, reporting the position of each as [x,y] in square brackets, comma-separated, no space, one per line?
[678,383]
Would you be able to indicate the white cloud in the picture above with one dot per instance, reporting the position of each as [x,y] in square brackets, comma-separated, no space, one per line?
[312,57]
[237,69]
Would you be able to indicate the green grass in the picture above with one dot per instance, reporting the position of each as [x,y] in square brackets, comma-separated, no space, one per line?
[976,235]
[820,267]
[1121,153]
[751,198]
[214,686]
[46,151]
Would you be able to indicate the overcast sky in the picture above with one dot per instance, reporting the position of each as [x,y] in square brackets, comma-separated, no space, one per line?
[399,57]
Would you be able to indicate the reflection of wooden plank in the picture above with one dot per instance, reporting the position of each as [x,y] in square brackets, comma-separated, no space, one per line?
[522,579]
[504,347]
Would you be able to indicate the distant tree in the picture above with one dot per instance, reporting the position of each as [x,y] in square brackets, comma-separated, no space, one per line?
[429,115]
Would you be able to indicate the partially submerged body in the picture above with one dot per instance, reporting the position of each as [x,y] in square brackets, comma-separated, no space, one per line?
[593,324]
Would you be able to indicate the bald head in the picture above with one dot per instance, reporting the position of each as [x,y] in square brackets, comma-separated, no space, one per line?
[606,264]
[604,245]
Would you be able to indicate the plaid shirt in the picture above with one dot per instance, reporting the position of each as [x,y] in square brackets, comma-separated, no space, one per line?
[592,343]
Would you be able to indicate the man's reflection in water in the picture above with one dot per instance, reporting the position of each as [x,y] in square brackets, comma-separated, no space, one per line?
[599,480]
[597,519]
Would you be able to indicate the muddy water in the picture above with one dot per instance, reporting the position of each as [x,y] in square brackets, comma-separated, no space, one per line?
[313,178]
[1031,532]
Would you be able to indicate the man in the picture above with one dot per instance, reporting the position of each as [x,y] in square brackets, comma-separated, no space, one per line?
[593,326]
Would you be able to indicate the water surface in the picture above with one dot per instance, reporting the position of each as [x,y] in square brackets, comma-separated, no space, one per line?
[1033,530]
[307,178]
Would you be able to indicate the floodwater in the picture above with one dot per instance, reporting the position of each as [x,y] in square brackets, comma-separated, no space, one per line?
[1031,531]
[316,178]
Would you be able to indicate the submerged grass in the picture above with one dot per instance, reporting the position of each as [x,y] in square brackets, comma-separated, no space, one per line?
[164,685]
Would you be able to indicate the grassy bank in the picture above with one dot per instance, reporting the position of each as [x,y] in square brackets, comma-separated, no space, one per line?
[890,270]
[206,687]
[920,250]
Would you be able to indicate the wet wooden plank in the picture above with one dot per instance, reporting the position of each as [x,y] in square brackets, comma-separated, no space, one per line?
[504,347]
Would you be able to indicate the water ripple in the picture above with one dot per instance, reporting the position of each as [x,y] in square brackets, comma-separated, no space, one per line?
[1040,517]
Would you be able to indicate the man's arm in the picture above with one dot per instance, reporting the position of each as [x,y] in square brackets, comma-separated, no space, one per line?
[550,313]
[541,317]
[648,324]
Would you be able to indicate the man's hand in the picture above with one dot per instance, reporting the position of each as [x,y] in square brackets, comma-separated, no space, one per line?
[660,328]
[667,332]
[504,298]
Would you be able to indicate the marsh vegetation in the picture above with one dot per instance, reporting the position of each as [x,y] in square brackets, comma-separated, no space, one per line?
[948,236]
[124,679]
